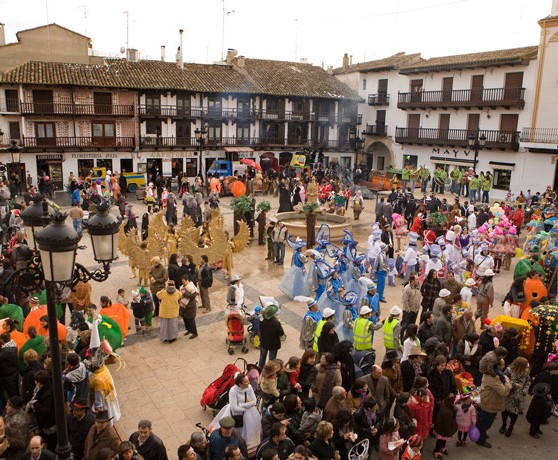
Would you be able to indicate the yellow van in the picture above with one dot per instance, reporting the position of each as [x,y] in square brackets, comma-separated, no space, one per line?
[134,180]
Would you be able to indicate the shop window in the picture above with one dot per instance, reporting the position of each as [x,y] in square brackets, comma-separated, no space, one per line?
[381,163]
[502,179]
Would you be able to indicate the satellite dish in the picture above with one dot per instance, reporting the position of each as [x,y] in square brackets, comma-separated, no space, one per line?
[122,50]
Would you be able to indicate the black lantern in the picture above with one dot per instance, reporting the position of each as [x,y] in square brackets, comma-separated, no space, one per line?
[34,219]
[476,142]
[103,228]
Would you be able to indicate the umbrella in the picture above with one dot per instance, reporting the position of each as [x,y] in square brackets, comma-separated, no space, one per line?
[251,163]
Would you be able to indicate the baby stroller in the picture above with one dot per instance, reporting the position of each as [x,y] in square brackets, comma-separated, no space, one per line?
[216,395]
[363,360]
[235,331]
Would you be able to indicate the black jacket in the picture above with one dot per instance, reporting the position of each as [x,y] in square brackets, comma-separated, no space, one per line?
[152,449]
[362,427]
[441,384]
[408,374]
[271,332]
[8,361]
[174,274]
[77,432]
[205,276]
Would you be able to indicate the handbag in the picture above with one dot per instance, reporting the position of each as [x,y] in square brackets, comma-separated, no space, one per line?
[239,419]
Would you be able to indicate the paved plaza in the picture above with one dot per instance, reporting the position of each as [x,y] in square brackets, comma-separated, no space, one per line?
[164,382]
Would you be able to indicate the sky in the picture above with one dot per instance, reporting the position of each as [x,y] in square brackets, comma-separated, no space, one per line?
[320,31]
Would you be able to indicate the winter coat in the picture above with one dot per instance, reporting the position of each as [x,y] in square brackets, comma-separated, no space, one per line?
[465,419]
[363,427]
[78,430]
[429,291]
[381,391]
[310,420]
[271,332]
[151,449]
[516,397]
[442,328]
[460,328]
[441,384]
[169,297]
[405,417]
[188,305]
[318,388]
[539,409]
[159,273]
[354,400]
[422,412]
[445,424]
[493,393]
[96,441]
[408,374]
[470,362]
[395,379]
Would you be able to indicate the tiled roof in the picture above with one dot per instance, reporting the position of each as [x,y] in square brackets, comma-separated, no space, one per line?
[256,77]
[389,63]
[514,56]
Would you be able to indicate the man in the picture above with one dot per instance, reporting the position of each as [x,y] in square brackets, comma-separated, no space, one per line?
[101,435]
[309,324]
[147,443]
[452,285]
[327,315]
[410,258]
[79,422]
[278,441]
[271,332]
[337,402]
[223,437]
[392,330]
[76,214]
[363,330]
[440,302]
[8,368]
[455,177]
[187,452]
[387,238]
[442,327]
[275,413]
[411,302]
[378,385]
[16,429]
[36,450]
[122,183]
[373,250]
[380,209]
[205,277]
[279,236]
[426,327]
[233,453]
[462,325]
[199,443]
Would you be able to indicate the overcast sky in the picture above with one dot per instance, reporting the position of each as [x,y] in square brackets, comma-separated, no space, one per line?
[318,30]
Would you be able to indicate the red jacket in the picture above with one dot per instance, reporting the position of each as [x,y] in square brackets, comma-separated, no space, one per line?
[422,412]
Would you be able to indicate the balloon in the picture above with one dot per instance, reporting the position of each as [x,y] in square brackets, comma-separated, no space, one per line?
[474,433]
[238,189]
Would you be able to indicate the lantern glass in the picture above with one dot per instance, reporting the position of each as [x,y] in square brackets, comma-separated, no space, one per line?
[58,266]
[30,236]
[105,247]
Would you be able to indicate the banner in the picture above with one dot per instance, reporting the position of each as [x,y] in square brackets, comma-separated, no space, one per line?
[298,161]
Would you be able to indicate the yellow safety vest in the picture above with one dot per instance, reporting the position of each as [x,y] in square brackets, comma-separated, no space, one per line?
[362,336]
[388,328]
[317,333]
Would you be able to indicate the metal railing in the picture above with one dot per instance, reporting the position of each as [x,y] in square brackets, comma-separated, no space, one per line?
[540,135]
[481,97]
[378,99]
[375,130]
[9,105]
[159,141]
[59,108]
[79,142]
[459,137]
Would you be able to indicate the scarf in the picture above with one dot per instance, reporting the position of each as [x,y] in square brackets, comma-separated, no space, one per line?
[362,395]
[470,350]
[417,366]
[370,417]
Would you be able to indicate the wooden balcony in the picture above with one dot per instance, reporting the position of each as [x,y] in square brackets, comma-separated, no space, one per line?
[9,106]
[346,119]
[375,130]
[540,135]
[378,99]
[463,98]
[504,140]
[57,108]
[78,142]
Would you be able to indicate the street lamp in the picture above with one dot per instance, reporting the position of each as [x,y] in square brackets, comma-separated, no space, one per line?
[15,151]
[201,137]
[476,142]
[57,246]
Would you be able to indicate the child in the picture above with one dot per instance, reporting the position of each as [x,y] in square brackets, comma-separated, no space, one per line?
[293,370]
[445,425]
[139,308]
[422,408]
[390,441]
[282,378]
[268,382]
[121,298]
[539,409]
[414,448]
[465,416]
[311,416]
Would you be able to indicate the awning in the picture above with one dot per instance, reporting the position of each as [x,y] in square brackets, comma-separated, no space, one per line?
[452,161]
[238,149]
[502,165]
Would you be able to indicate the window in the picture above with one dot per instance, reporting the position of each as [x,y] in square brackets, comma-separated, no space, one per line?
[502,179]
[214,106]
[183,104]
[104,133]
[364,84]
[153,127]
[381,163]
[45,133]
[345,162]
[102,102]
[214,132]
[243,131]
[153,103]
[15,131]
[243,106]
[12,101]
[411,160]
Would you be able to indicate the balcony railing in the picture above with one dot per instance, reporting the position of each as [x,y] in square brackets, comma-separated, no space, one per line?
[345,119]
[9,105]
[375,130]
[40,108]
[508,140]
[482,97]
[540,135]
[79,142]
[378,99]
[359,119]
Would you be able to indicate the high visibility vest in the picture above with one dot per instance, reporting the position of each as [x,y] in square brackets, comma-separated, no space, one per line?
[362,337]
[317,333]
[389,339]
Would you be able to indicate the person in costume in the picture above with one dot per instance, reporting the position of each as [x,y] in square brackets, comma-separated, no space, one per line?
[350,314]
[356,273]
[483,261]
[293,283]
[382,270]
[309,322]
[318,274]
[358,204]
[371,299]
[373,250]
[410,258]
[434,262]
[332,296]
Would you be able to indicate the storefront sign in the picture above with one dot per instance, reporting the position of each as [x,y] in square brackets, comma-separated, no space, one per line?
[52,156]
[298,161]
[453,152]
[170,155]
[88,156]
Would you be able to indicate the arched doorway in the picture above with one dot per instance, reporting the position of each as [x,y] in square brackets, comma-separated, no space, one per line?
[378,157]
[268,161]
[285,159]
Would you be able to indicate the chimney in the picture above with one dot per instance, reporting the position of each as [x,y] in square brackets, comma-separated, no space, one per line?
[2,35]
[180,51]
[231,54]
[351,59]
[132,55]
[554,11]
[329,69]
[240,61]
[345,61]
[163,53]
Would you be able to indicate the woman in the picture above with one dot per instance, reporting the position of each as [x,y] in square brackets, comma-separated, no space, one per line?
[293,283]
[242,406]
[357,394]
[518,373]
[368,421]
[157,278]
[469,353]
[441,382]
[188,269]
[168,312]
[41,406]
[390,441]
[510,341]
[485,297]
[293,413]
[403,414]
[235,293]
[329,376]
[308,371]
[188,307]
[331,297]
[343,355]
[328,338]
[410,341]
[430,289]
[464,238]
[321,446]
[32,366]
[343,434]
[173,269]
[145,226]
[391,368]
[127,451]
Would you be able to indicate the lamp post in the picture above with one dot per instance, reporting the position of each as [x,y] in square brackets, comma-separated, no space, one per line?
[201,137]
[476,143]
[57,245]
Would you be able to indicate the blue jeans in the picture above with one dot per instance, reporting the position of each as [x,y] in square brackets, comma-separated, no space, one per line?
[412,185]
[404,184]
[77,225]
[381,283]
[279,249]
[410,269]
[423,185]
[472,196]
[263,356]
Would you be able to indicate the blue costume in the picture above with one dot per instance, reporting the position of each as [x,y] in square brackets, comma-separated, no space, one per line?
[293,282]
[332,297]
[318,273]
[372,301]
[344,328]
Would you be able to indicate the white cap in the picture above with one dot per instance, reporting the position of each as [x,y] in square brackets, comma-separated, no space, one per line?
[395,311]
[444,293]
[470,282]
[364,310]
[328,312]
[489,272]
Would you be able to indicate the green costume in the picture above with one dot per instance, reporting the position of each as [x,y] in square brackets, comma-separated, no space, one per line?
[14,312]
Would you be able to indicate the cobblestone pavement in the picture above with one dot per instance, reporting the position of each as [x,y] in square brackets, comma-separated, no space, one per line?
[164,382]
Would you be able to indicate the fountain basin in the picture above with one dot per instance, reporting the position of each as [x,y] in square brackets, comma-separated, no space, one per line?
[296,224]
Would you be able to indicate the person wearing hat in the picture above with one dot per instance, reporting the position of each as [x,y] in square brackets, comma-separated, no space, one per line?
[79,421]
[540,408]
[410,258]
[371,299]
[392,331]
[484,261]
[441,301]
[485,296]
[374,249]
[223,437]
[411,300]
[14,429]
[271,332]
[434,262]
[235,293]
[363,330]
[157,278]
[413,367]
[466,291]
[101,434]
[169,298]
[328,316]
[382,270]
[391,369]
[294,283]
[279,236]
[309,323]
[413,451]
